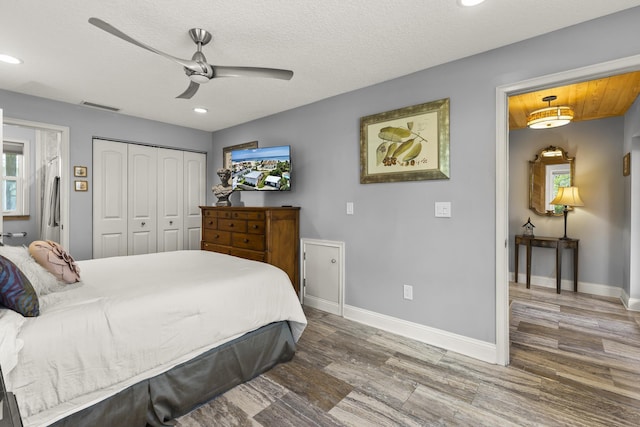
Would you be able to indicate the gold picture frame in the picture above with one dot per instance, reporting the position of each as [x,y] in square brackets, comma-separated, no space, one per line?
[626,165]
[80,171]
[226,152]
[81,185]
[408,144]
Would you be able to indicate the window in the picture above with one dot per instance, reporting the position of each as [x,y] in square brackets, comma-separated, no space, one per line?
[15,189]
[557,176]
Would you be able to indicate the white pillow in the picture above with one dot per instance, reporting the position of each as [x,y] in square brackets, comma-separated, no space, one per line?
[42,281]
[10,345]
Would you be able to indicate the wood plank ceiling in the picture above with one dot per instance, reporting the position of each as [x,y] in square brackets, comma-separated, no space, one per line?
[595,99]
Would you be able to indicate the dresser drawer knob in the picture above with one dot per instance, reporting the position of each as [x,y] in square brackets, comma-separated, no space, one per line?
[246,240]
[210,222]
[255,227]
[231,225]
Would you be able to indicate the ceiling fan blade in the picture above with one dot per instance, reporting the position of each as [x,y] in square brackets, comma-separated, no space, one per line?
[191,90]
[271,73]
[116,32]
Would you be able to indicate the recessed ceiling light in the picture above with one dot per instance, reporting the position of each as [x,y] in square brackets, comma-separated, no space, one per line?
[200,110]
[469,2]
[9,59]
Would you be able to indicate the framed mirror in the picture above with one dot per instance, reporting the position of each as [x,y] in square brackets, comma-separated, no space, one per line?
[550,169]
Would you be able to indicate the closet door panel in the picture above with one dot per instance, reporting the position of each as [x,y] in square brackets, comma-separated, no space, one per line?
[142,190]
[195,166]
[109,199]
[170,199]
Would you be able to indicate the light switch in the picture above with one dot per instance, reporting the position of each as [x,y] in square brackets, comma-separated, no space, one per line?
[443,209]
[349,208]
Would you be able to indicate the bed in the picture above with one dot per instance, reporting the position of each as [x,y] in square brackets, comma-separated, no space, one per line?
[144,339]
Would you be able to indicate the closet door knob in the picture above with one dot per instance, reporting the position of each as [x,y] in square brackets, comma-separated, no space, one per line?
[143,223]
[170,222]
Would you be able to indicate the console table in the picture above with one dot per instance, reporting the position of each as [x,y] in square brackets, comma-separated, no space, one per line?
[548,242]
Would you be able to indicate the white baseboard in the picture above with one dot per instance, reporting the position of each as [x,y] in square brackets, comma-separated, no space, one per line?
[477,349]
[632,304]
[322,304]
[567,285]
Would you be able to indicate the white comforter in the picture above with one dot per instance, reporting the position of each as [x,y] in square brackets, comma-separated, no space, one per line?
[135,317]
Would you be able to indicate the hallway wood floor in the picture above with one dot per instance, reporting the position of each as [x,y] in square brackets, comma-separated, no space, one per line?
[575,361]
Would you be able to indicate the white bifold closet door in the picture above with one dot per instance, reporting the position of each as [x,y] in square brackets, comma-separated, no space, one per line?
[145,199]
[110,208]
[195,181]
[142,198]
[170,200]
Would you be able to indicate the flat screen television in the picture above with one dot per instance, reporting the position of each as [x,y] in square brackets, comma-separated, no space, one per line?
[261,169]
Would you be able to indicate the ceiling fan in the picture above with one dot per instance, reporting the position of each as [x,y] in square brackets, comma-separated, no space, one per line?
[197,68]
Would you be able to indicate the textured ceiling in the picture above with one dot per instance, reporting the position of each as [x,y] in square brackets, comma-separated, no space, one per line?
[333,46]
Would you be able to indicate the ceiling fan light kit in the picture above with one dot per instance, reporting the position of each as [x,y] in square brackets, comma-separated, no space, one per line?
[550,117]
[197,68]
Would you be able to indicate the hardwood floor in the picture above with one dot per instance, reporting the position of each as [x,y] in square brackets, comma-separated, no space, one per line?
[575,361]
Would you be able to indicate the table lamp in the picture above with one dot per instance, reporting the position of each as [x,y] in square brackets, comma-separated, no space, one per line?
[567,196]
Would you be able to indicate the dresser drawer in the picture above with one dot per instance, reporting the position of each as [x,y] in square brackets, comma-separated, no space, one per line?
[210,222]
[215,248]
[216,236]
[232,225]
[248,241]
[252,255]
[255,227]
[247,215]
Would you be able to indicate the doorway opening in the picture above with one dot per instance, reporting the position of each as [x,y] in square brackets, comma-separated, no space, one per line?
[46,186]
[502,177]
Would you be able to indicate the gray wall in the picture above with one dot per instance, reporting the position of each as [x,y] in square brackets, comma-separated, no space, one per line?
[393,238]
[597,148]
[84,124]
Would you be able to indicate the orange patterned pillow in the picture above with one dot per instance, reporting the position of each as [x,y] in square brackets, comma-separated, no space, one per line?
[55,260]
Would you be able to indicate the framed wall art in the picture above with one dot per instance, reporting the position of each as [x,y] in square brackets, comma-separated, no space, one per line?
[81,185]
[80,171]
[408,144]
[226,152]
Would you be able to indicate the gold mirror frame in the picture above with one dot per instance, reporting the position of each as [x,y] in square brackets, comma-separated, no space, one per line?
[540,172]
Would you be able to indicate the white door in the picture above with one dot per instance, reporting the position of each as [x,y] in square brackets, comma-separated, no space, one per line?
[195,180]
[170,200]
[109,198]
[323,275]
[142,195]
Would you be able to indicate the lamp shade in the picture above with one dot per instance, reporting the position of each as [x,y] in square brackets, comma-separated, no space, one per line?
[550,117]
[568,196]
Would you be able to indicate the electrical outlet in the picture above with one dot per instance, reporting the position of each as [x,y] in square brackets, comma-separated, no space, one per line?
[408,292]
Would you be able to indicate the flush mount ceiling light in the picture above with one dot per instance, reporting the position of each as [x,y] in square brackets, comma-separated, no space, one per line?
[550,117]
[469,2]
[200,110]
[9,59]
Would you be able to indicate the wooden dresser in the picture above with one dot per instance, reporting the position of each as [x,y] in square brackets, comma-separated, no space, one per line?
[267,234]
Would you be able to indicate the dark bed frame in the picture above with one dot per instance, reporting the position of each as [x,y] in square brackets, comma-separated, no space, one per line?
[160,399]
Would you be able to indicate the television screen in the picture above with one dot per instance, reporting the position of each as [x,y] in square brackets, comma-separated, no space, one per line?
[261,169]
